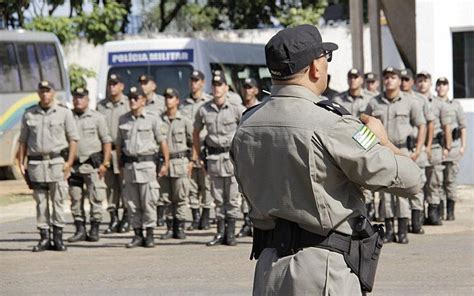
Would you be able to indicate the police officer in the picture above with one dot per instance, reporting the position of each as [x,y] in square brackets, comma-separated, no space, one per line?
[90,165]
[175,186]
[220,117]
[48,140]
[200,188]
[440,138]
[371,82]
[355,100]
[140,137]
[154,103]
[112,107]
[453,156]
[399,114]
[232,96]
[301,161]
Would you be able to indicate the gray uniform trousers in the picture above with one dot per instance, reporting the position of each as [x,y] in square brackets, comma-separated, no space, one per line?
[57,195]
[226,195]
[114,190]
[199,189]
[174,192]
[434,176]
[450,172]
[95,191]
[141,200]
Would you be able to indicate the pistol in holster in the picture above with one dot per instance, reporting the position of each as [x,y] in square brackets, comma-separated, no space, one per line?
[411,143]
[456,133]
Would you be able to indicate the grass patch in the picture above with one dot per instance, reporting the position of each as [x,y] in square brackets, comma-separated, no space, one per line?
[14,198]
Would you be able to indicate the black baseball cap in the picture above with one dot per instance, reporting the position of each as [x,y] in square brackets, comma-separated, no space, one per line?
[145,78]
[135,92]
[293,49]
[391,70]
[370,77]
[218,78]
[250,82]
[45,84]
[80,92]
[197,75]
[442,80]
[354,72]
[424,74]
[115,78]
[171,92]
[406,73]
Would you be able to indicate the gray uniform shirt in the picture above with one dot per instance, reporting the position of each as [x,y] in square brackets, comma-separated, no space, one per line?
[112,112]
[298,161]
[457,119]
[399,116]
[179,137]
[355,105]
[156,104]
[190,107]
[93,132]
[441,114]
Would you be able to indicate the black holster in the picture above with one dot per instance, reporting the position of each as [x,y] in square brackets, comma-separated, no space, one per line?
[65,154]
[96,159]
[456,133]
[411,143]
[75,180]
[439,139]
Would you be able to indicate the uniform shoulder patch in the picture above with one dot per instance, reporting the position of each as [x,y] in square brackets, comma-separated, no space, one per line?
[365,137]
[333,107]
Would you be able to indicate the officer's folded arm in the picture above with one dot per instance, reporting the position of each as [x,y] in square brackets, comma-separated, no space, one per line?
[375,167]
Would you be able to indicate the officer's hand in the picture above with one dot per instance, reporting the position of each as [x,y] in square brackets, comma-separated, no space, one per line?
[163,171]
[22,169]
[66,170]
[414,156]
[445,153]
[102,170]
[461,151]
[376,126]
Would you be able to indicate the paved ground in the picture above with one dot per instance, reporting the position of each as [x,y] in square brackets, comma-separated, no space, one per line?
[441,262]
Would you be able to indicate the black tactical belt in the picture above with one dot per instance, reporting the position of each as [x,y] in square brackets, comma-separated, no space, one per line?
[143,158]
[217,150]
[49,156]
[179,154]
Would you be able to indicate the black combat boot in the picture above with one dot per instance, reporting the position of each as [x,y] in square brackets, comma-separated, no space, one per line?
[137,240]
[433,215]
[416,222]
[402,237]
[246,229]
[441,210]
[80,234]
[389,234]
[43,243]
[196,218]
[149,240]
[169,229]
[94,232]
[219,237]
[125,223]
[160,216]
[204,223]
[114,222]
[230,232]
[58,239]
[450,209]
[178,229]
[370,208]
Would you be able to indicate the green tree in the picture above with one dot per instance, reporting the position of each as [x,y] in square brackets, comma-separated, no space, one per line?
[65,28]
[159,16]
[194,17]
[78,76]
[301,15]
[103,23]
[8,10]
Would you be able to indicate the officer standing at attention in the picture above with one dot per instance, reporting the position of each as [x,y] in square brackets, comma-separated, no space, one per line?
[459,134]
[140,137]
[355,100]
[400,115]
[441,138]
[90,165]
[48,140]
[175,186]
[220,117]
[200,188]
[306,183]
[112,107]
[154,103]
[371,84]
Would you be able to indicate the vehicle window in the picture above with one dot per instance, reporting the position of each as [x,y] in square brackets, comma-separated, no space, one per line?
[9,75]
[29,68]
[48,58]
[175,76]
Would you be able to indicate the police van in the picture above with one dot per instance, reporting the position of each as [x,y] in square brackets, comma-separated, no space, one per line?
[171,61]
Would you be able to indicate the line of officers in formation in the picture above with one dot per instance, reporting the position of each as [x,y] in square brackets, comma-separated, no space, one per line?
[141,151]
[429,128]
[153,156]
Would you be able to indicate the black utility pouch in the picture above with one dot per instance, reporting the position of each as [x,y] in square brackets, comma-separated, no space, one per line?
[369,257]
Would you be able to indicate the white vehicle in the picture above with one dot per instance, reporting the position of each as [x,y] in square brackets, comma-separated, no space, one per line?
[171,61]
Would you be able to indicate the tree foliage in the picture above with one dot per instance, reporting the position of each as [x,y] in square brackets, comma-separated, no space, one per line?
[295,16]
[65,28]
[13,12]
[78,76]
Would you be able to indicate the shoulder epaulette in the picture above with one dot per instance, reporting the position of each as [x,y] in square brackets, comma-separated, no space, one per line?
[333,107]
[248,109]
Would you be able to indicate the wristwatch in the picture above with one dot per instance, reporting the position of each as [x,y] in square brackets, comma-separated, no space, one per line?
[106,164]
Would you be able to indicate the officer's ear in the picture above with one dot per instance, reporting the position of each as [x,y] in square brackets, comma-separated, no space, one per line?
[316,69]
